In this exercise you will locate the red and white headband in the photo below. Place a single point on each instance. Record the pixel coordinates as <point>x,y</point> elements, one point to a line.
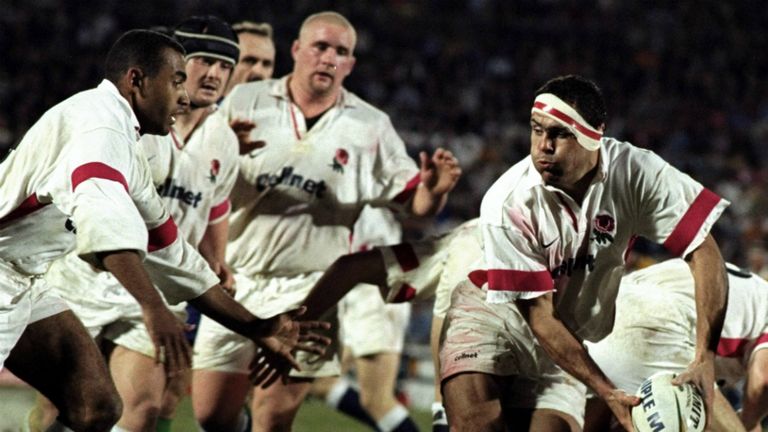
<point>555,108</point>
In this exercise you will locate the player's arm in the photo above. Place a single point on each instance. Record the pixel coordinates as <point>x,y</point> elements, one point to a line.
<point>342,276</point>
<point>439,175</point>
<point>754,405</point>
<point>567,352</point>
<point>213,247</point>
<point>711,285</point>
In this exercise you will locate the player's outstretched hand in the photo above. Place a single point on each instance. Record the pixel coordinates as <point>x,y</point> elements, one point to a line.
<point>167,334</point>
<point>441,172</point>
<point>242,129</point>
<point>621,405</point>
<point>285,335</point>
<point>701,373</point>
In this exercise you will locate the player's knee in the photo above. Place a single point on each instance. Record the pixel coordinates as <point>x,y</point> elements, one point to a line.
<point>99,414</point>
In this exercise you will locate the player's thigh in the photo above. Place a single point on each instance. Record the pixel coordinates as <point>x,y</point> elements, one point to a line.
<point>553,421</point>
<point>434,345</point>
<point>57,356</point>
<point>139,380</point>
<point>473,401</point>
<point>724,418</point>
<point>217,396</point>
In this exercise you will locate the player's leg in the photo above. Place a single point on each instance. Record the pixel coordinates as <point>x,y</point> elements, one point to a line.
<point>275,408</point>
<point>597,417</point>
<point>57,356</point>
<point>140,382</point>
<point>175,390</point>
<point>42,415</point>
<point>755,401</point>
<point>439,418</point>
<point>473,402</point>
<point>218,398</point>
<point>377,375</point>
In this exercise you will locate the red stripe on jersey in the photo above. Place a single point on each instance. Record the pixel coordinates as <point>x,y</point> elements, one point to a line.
<point>406,256</point>
<point>691,222</point>
<point>405,294</point>
<point>219,210</point>
<point>410,189</point>
<point>26,207</point>
<point>565,118</point>
<point>520,281</point>
<point>97,170</point>
<point>162,236</point>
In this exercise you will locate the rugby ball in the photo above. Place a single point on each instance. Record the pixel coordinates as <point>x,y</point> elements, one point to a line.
<point>667,407</point>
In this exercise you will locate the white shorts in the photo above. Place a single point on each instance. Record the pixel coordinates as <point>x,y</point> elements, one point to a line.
<point>31,301</point>
<point>652,333</point>
<point>494,339</point>
<point>370,326</point>
<point>220,349</point>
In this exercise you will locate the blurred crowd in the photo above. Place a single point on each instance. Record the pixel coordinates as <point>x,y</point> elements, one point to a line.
<point>685,79</point>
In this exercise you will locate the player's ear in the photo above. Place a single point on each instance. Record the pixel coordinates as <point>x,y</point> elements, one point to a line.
<point>135,78</point>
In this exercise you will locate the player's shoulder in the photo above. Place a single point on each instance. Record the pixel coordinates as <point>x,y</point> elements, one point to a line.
<point>509,189</point>
<point>622,155</point>
<point>251,93</point>
<point>358,108</point>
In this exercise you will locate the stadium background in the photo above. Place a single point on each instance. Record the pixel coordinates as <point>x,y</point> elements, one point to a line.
<point>685,79</point>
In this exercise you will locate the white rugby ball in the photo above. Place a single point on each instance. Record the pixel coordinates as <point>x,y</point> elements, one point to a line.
<point>667,407</point>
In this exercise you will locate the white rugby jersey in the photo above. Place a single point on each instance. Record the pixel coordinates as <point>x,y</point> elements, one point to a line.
<point>417,270</point>
<point>194,180</point>
<point>745,329</point>
<point>83,158</point>
<point>538,240</point>
<point>297,198</point>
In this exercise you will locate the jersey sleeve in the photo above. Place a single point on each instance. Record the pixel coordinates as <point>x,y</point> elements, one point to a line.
<point>100,203</point>
<point>676,211</point>
<point>395,172</point>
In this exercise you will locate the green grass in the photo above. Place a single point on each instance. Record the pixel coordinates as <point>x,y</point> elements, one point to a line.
<point>314,416</point>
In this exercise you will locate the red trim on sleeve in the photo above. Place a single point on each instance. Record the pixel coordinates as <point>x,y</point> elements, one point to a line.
<point>691,222</point>
<point>406,256</point>
<point>410,189</point>
<point>478,277</point>
<point>219,210</point>
<point>97,170</point>
<point>162,236</point>
<point>520,281</point>
<point>406,293</point>
<point>737,347</point>
<point>26,207</point>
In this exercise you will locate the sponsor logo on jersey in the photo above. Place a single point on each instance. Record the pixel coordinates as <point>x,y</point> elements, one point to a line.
<point>340,159</point>
<point>603,229</point>
<point>464,356</point>
<point>288,178</point>
<point>567,267</point>
<point>172,190</point>
<point>215,167</point>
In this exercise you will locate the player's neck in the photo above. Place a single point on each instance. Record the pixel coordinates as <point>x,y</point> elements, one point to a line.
<point>187,123</point>
<point>311,104</point>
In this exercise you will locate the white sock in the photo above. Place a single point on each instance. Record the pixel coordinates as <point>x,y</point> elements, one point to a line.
<point>336,392</point>
<point>117,428</point>
<point>392,419</point>
<point>437,407</point>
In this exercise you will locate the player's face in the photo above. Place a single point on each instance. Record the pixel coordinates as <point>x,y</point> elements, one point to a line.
<point>557,155</point>
<point>257,60</point>
<point>162,96</point>
<point>323,57</point>
<point>206,79</point>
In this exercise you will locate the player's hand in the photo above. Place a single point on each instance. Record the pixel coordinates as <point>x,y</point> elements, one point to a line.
<point>167,334</point>
<point>226,277</point>
<point>621,405</point>
<point>242,129</point>
<point>282,335</point>
<point>701,373</point>
<point>440,173</point>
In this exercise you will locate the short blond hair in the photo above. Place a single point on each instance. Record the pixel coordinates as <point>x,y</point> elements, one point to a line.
<point>330,17</point>
<point>259,29</point>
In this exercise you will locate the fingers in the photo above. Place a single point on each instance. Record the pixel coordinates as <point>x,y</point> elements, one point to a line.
<point>241,125</point>
<point>305,326</point>
<point>315,338</point>
<point>311,348</point>
<point>424,159</point>
<point>297,312</point>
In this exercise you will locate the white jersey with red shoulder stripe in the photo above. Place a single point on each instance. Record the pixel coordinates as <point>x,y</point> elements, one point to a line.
<point>298,197</point>
<point>80,169</point>
<point>195,178</point>
<point>537,239</point>
<point>419,270</point>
